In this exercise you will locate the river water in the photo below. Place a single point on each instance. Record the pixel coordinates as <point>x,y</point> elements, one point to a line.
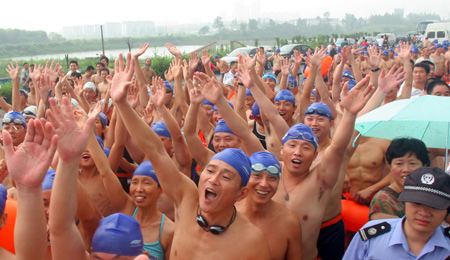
<point>151,52</point>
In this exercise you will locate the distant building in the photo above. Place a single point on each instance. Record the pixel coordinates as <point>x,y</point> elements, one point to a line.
<point>111,30</point>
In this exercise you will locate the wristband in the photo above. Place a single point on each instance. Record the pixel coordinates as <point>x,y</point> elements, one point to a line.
<point>375,70</point>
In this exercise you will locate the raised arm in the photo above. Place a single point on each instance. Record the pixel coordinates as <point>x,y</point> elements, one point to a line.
<point>142,83</point>
<point>28,166</point>
<point>285,64</point>
<point>404,56</point>
<point>206,60</point>
<point>180,148</point>
<point>352,102</point>
<point>67,242</point>
<point>213,92</point>
<point>14,73</point>
<point>336,88</point>
<point>148,141</point>
<point>180,98</point>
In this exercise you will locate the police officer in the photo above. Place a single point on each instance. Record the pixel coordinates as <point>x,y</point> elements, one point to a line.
<point>418,235</point>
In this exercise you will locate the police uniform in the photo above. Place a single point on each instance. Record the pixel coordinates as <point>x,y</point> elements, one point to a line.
<point>385,239</point>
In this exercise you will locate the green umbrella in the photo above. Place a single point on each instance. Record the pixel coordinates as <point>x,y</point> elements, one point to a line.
<point>426,118</point>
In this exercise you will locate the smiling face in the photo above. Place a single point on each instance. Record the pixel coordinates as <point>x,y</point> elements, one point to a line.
<point>222,141</point>
<point>320,125</point>
<point>144,190</point>
<point>86,161</point>
<point>285,108</point>
<point>219,187</point>
<point>262,186</point>
<point>401,167</point>
<point>16,131</point>
<point>298,155</point>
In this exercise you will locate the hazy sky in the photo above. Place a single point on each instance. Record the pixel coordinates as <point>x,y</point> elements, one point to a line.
<point>52,15</point>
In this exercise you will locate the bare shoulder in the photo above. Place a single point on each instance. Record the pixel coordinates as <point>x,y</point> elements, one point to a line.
<point>249,234</point>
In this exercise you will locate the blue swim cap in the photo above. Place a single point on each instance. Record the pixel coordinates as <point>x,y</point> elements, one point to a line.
<point>146,169</point>
<point>216,56</point>
<point>268,161</point>
<point>229,103</point>
<point>14,116</point>
<point>270,76</point>
<point>103,119</point>
<point>110,102</point>
<point>315,94</point>
<point>222,127</point>
<point>301,132</point>
<point>99,140</point>
<point>385,53</point>
<point>118,234</point>
<point>255,110</point>
<point>391,49</point>
<point>248,92</point>
<point>107,151</point>
<point>168,86</point>
<point>292,82</point>
<point>347,74</point>
<point>160,129</point>
<point>207,102</point>
<point>3,193</point>
<point>351,83</point>
<point>319,109</point>
<point>237,159</point>
<point>339,48</point>
<point>365,47</point>
<point>361,52</point>
<point>366,53</point>
<point>47,183</point>
<point>286,95</point>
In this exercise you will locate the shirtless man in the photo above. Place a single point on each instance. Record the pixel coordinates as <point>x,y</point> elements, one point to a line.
<point>425,55</point>
<point>147,71</point>
<point>105,61</point>
<point>88,76</point>
<point>219,227</point>
<point>307,192</point>
<point>104,85</point>
<point>440,62</point>
<point>280,226</point>
<point>222,66</point>
<point>387,62</point>
<point>96,78</point>
<point>276,59</point>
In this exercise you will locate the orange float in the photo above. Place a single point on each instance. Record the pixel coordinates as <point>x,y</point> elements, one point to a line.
<point>7,232</point>
<point>325,66</point>
<point>354,215</point>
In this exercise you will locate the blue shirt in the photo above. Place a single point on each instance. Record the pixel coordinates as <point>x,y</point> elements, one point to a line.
<point>393,245</point>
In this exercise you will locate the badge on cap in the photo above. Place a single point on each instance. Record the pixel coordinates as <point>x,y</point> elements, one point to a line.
<point>427,178</point>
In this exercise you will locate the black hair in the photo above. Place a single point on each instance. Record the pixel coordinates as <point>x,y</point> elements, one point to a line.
<point>406,145</point>
<point>424,66</point>
<point>429,63</point>
<point>105,58</point>
<point>89,68</point>
<point>104,69</point>
<point>75,74</point>
<point>25,63</point>
<point>101,64</point>
<point>429,86</point>
<point>73,61</point>
<point>233,62</point>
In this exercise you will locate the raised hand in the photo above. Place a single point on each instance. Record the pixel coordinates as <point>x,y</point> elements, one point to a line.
<point>353,101</point>
<point>196,96</point>
<point>122,78</point>
<point>29,163</point>
<point>186,70</point>
<point>285,65</point>
<point>298,57</point>
<point>147,114</point>
<point>386,83</point>
<point>168,75</point>
<point>317,57</point>
<point>206,58</point>
<point>174,50</point>
<point>346,51</point>
<point>52,71</point>
<point>141,50</point>
<point>249,62</point>
<point>3,170</point>
<point>405,51</point>
<point>176,68</point>
<point>37,72</point>
<point>374,58</point>
<point>193,61</point>
<point>261,57</point>
<point>158,91</point>
<point>245,76</point>
<point>43,86</point>
<point>72,140</point>
<point>210,88</point>
<point>133,96</point>
<point>13,72</point>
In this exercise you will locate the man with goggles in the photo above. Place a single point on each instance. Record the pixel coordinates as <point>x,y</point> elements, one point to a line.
<point>305,190</point>
<point>15,124</point>
<point>280,226</point>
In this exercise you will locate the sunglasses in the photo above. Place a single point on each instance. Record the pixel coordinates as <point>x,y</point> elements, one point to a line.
<point>294,134</point>
<point>214,229</point>
<point>259,167</point>
<point>16,121</point>
<point>319,111</point>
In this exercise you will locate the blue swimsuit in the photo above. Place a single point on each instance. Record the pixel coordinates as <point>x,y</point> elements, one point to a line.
<point>155,249</point>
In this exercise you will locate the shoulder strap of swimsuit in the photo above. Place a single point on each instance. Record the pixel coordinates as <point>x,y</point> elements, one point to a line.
<point>134,213</point>
<point>161,226</point>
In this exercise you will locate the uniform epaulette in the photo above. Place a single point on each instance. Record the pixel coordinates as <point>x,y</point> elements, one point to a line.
<point>447,232</point>
<point>374,231</point>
